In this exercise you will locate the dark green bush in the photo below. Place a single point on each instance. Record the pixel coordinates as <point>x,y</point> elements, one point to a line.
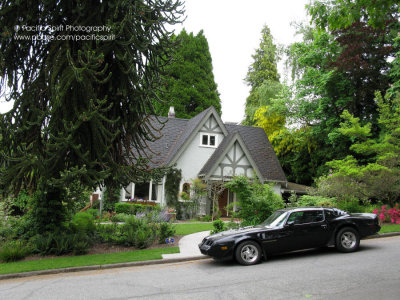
<point>350,205</point>
<point>13,251</point>
<point>137,232</point>
<point>93,212</point>
<point>59,243</point>
<point>308,200</point>
<point>83,223</point>
<point>108,233</point>
<point>256,201</point>
<point>165,231</point>
<point>218,226</point>
<point>133,208</point>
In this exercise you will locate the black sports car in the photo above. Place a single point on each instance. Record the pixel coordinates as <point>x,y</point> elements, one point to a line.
<point>292,229</point>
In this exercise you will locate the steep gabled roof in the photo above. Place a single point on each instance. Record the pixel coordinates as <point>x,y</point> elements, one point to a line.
<point>259,148</point>
<point>222,150</point>
<point>177,134</point>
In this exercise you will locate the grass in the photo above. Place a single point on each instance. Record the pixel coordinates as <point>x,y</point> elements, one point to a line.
<point>390,228</point>
<point>188,228</point>
<point>85,260</point>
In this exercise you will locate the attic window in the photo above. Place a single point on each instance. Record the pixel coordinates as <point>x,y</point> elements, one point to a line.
<point>208,140</point>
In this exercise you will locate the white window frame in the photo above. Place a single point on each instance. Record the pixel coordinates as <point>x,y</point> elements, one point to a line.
<point>208,139</point>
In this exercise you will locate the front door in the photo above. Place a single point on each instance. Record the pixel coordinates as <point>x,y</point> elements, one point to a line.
<point>223,202</point>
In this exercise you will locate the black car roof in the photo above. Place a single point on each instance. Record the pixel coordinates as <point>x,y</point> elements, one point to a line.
<point>303,208</point>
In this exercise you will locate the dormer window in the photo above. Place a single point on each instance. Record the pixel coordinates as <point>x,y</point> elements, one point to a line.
<point>208,140</point>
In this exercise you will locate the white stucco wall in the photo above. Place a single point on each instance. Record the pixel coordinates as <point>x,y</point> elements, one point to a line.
<point>194,157</point>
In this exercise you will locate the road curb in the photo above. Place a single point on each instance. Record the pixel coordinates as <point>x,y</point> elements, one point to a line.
<point>137,263</point>
<point>383,235</point>
<point>102,267</point>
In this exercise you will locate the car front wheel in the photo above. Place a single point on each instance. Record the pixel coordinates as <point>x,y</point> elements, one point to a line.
<point>248,253</point>
<point>347,240</point>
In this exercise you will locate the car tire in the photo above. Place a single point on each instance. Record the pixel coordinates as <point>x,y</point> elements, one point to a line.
<point>248,253</point>
<point>347,240</point>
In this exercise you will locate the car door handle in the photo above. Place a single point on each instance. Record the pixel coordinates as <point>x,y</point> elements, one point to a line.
<point>324,226</point>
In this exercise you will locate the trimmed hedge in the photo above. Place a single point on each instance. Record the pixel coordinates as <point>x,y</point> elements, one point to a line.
<point>133,208</point>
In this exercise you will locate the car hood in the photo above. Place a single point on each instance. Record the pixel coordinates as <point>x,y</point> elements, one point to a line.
<point>231,232</point>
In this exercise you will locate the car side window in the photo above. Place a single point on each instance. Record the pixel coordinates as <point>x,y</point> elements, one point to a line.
<point>304,217</point>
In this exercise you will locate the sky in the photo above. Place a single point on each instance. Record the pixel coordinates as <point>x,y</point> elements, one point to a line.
<point>233,30</point>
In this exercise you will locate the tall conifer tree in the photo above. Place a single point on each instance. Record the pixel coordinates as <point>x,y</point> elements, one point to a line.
<point>189,79</point>
<point>81,106</point>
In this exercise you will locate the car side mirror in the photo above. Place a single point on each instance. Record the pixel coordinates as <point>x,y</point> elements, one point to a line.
<point>290,224</point>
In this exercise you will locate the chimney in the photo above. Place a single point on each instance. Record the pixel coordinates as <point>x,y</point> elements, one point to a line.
<point>171,113</point>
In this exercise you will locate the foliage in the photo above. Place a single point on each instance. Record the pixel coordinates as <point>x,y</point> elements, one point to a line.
<point>59,243</point>
<point>174,177</point>
<point>215,190</point>
<point>388,214</point>
<point>374,172</point>
<point>340,64</point>
<point>110,198</point>
<point>189,81</point>
<point>133,208</point>
<point>256,201</point>
<point>262,76</point>
<point>308,200</point>
<point>83,223</point>
<point>218,225</point>
<point>80,106</point>
<point>77,196</point>
<point>192,200</point>
<point>93,212</point>
<point>18,205</point>
<point>165,230</point>
<point>13,251</point>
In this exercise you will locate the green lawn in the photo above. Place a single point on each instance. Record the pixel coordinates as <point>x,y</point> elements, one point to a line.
<point>85,260</point>
<point>390,228</point>
<point>188,228</point>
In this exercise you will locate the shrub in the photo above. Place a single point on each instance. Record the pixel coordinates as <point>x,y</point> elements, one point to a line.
<point>13,251</point>
<point>218,226</point>
<point>137,232</point>
<point>132,208</point>
<point>308,200</point>
<point>83,223</point>
<point>206,218</point>
<point>165,231</point>
<point>93,212</point>
<point>256,201</point>
<point>388,215</point>
<point>108,233</point>
<point>59,243</point>
<point>350,205</point>
<point>118,218</point>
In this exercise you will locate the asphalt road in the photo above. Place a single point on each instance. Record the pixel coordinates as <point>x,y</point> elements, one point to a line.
<point>371,273</point>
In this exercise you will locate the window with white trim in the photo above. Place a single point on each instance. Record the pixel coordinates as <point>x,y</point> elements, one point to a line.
<point>208,140</point>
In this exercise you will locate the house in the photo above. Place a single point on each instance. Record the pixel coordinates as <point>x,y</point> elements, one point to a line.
<point>204,147</point>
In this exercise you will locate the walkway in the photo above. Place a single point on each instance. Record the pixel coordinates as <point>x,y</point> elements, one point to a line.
<point>189,246</point>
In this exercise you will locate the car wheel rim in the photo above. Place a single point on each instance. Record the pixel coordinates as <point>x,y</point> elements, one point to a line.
<point>249,253</point>
<point>348,240</point>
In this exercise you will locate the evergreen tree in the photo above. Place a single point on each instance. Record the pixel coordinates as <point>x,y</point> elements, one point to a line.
<point>82,107</point>
<point>262,76</point>
<point>189,80</point>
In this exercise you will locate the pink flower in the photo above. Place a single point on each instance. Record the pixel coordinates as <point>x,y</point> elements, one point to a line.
<point>382,216</point>
<point>375,211</point>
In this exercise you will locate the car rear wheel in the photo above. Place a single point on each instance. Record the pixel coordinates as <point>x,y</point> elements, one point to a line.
<point>347,240</point>
<point>248,253</point>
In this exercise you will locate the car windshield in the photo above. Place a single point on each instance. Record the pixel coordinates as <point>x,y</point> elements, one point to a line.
<point>275,220</point>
